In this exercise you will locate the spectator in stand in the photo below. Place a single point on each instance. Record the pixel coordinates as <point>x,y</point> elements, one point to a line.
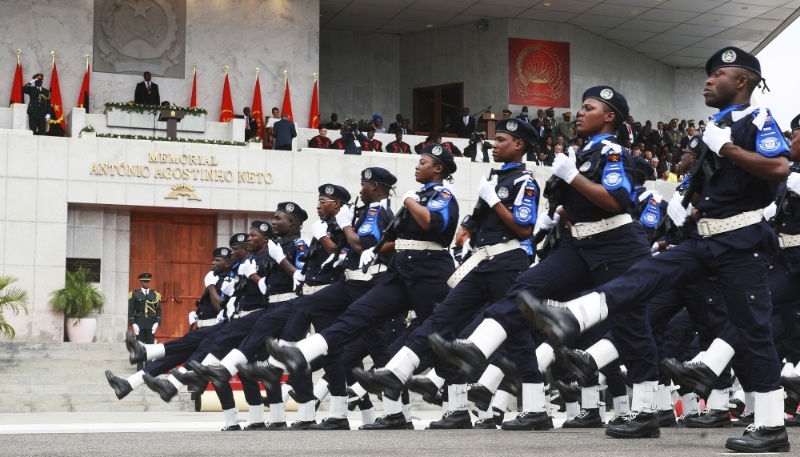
<point>558,149</point>
<point>656,164</point>
<point>465,125</point>
<point>250,124</point>
<point>690,133</point>
<point>636,151</point>
<point>320,141</point>
<point>533,154</point>
<point>648,155</point>
<point>284,133</point>
<point>405,129</point>
<point>394,125</point>
<point>625,134</point>
<point>398,146</point>
<point>675,173</point>
<point>674,134</point>
<point>147,92</point>
<point>475,140</point>
<point>377,121</point>
<point>523,115</point>
<point>448,126</point>
<point>560,142</point>
<point>643,138</point>
<point>547,148</point>
<point>702,126</point>
<point>506,114</point>
<point>579,143</point>
<point>544,160</point>
<point>566,129</point>
<point>430,139</point>
<point>658,138</point>
<point>664,151</point>
<point>333,124</point>
<point>449,146</point>
<point>664,175</point>
<point>354,141</point>
<point>668,161</point>
<point>538,123</point>
<point>374,145</point>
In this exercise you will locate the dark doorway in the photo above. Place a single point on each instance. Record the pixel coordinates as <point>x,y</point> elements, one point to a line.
<point>433,104</point>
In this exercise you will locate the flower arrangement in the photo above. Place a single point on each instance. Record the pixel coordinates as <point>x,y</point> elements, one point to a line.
<point>88,128</point>
<point>151,109</point>
<point>175,140</point>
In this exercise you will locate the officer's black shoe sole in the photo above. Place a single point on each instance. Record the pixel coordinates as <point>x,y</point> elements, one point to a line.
<point>558,323</point>
<point>454,420</point>
<point>480,396</point>
<point>712,419</point>
<point>377,381</point>
<point>189,378</point>
<point>747,419</point>
<point>697,376</point>
<point>570,393</point>
<point>255,427</point>
<point>136,352</point>
<point>121,386</point>
<point>332,424</point>
<point>301,425</point>
<point>395,421</point>
<point>794,421</point>
<point>512,382</point>
<point>162,387</point>
<point>738,408</point>
<point>645,425</point>
<point>529,421</point>
<point>465,355</point>
<point>296,364</point>
<point>268,375</point>
<point>589,419</point>
<point>580,363</point>
<point>498,416</point>
<point>232,428</point>
<point>667,418</point>
<point>791,384</point>
<point>425,387</point>
<point>763,439</point>
<point>217,375</point>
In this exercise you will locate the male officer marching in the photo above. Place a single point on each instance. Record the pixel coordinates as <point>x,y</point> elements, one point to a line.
<point>144,312</point>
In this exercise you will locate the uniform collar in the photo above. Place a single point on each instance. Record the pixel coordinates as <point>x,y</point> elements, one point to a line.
<point>510,165</point>
<point>596,139</point>
<point>431,184</point>
<point>729,110</point>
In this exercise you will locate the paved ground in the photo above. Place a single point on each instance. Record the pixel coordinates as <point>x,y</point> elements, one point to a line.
<point>154,434</point>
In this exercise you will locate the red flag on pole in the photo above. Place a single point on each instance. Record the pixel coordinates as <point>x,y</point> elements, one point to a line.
<point>57,108</point>
<point>16,88</point>
<point>83,98</point>
<point>256,109</point>
<point>226,112</point>
<point>313,116</point>
<point>287,101</point>
<point>193,103</point>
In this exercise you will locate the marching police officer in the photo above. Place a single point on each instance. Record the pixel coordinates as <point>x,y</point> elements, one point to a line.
<point>144,311</point>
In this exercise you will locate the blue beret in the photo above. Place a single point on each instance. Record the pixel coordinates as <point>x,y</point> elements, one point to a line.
<point>442,155</point>
<point>240,238</point>
<point>335,192</point>
<point>378,175</point>
<point>293,209</point>
<point>226,253</point>
<point>265,228</point>
<point>522,130</point>
<point>732,56</point>
<point>610,97</point>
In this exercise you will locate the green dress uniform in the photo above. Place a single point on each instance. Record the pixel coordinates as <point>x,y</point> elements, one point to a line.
<point>144,310</point>
<point>38,107</point>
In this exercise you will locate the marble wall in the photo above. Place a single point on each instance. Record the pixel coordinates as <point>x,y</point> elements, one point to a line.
<point>274,35</point>
<point>689,101</point>
<point>359,74</point>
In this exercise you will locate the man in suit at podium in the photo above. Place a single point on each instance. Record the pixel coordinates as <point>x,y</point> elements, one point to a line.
<point>466,124</point>
<point>147,92</point>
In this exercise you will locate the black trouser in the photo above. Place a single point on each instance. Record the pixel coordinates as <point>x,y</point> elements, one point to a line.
<point>37,123</point>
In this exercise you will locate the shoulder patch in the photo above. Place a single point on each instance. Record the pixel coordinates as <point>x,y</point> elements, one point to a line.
<point>130,295</point>
<point>158,296</point>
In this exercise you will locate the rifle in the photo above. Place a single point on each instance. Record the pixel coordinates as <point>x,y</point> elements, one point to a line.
<point>553,192</point>
<point>785,207</point>
<point>340,245</point>
<point>473,222</point>
<point>389,234</point>
<point>704,166</point>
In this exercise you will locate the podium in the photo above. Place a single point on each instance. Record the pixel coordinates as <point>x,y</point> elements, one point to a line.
<point>490,119</point>
<point>172,117</point>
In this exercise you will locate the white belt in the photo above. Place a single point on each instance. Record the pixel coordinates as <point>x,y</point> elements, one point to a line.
<point>583,230</point>
<point>416,245</point>
<point>242,314</point>
<point>788,241</point>
<point>482,253</point>
<point>207,322</point>
<point>710,227</point>
<point>277,298</point>
<point>357,275</point>
<point>310,290</point>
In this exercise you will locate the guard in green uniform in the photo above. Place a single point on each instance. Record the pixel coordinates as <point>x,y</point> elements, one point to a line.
<point>144,312</point>
<point>38,105</point>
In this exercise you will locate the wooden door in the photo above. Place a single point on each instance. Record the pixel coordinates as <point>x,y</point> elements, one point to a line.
<point>433,104</point>
<point>177,250</point>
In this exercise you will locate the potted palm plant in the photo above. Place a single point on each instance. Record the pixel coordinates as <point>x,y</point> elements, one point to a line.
<point>14,299</point>
<point>77,300</point>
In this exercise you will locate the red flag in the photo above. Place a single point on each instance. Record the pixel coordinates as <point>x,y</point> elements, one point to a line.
<point>226,112</point>
<point>287,103</point>
<point>193,103</point>
<point>313,116</point>
<point>57,108</point>
<point>256,110</point>
<point>16,88</point>
<point>83,98</point>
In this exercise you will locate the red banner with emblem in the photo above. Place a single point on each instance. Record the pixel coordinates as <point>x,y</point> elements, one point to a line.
<point>538,73</point>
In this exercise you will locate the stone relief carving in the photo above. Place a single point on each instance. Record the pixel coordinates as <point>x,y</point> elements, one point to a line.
<point>133,36</point>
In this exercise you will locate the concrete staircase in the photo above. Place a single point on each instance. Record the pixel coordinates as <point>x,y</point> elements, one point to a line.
<point>67,377</point>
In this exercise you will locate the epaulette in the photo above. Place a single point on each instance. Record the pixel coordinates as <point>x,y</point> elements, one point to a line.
<point>158,296</point>
<point>130,295</point>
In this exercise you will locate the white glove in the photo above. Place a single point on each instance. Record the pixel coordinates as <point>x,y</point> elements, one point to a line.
<point>545,222</point>
<point>47,117</point>
<point>297,278</point>
<point>192,318</point>
<point>486,191</point>
<point>262,286</point>
<point>715,137</point>
<point>319,229</point>
<point>345,216</point>
<point>410,194</point>
<point>654,249</point>
<point>135,329</point>
<point>564,167</point>
<point>793,183</point>
<point>248,268</point>
<point>275,251</point>
<point>367,256</point>
<point>676,211</point>
<point>155,326</point>
<point>342,256</point>
<point>221,315</point>
<point>33,82</point>
<point>466,248</point>
<point>769,211</point>
<point>227,287</point>
<point>230,308</point>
